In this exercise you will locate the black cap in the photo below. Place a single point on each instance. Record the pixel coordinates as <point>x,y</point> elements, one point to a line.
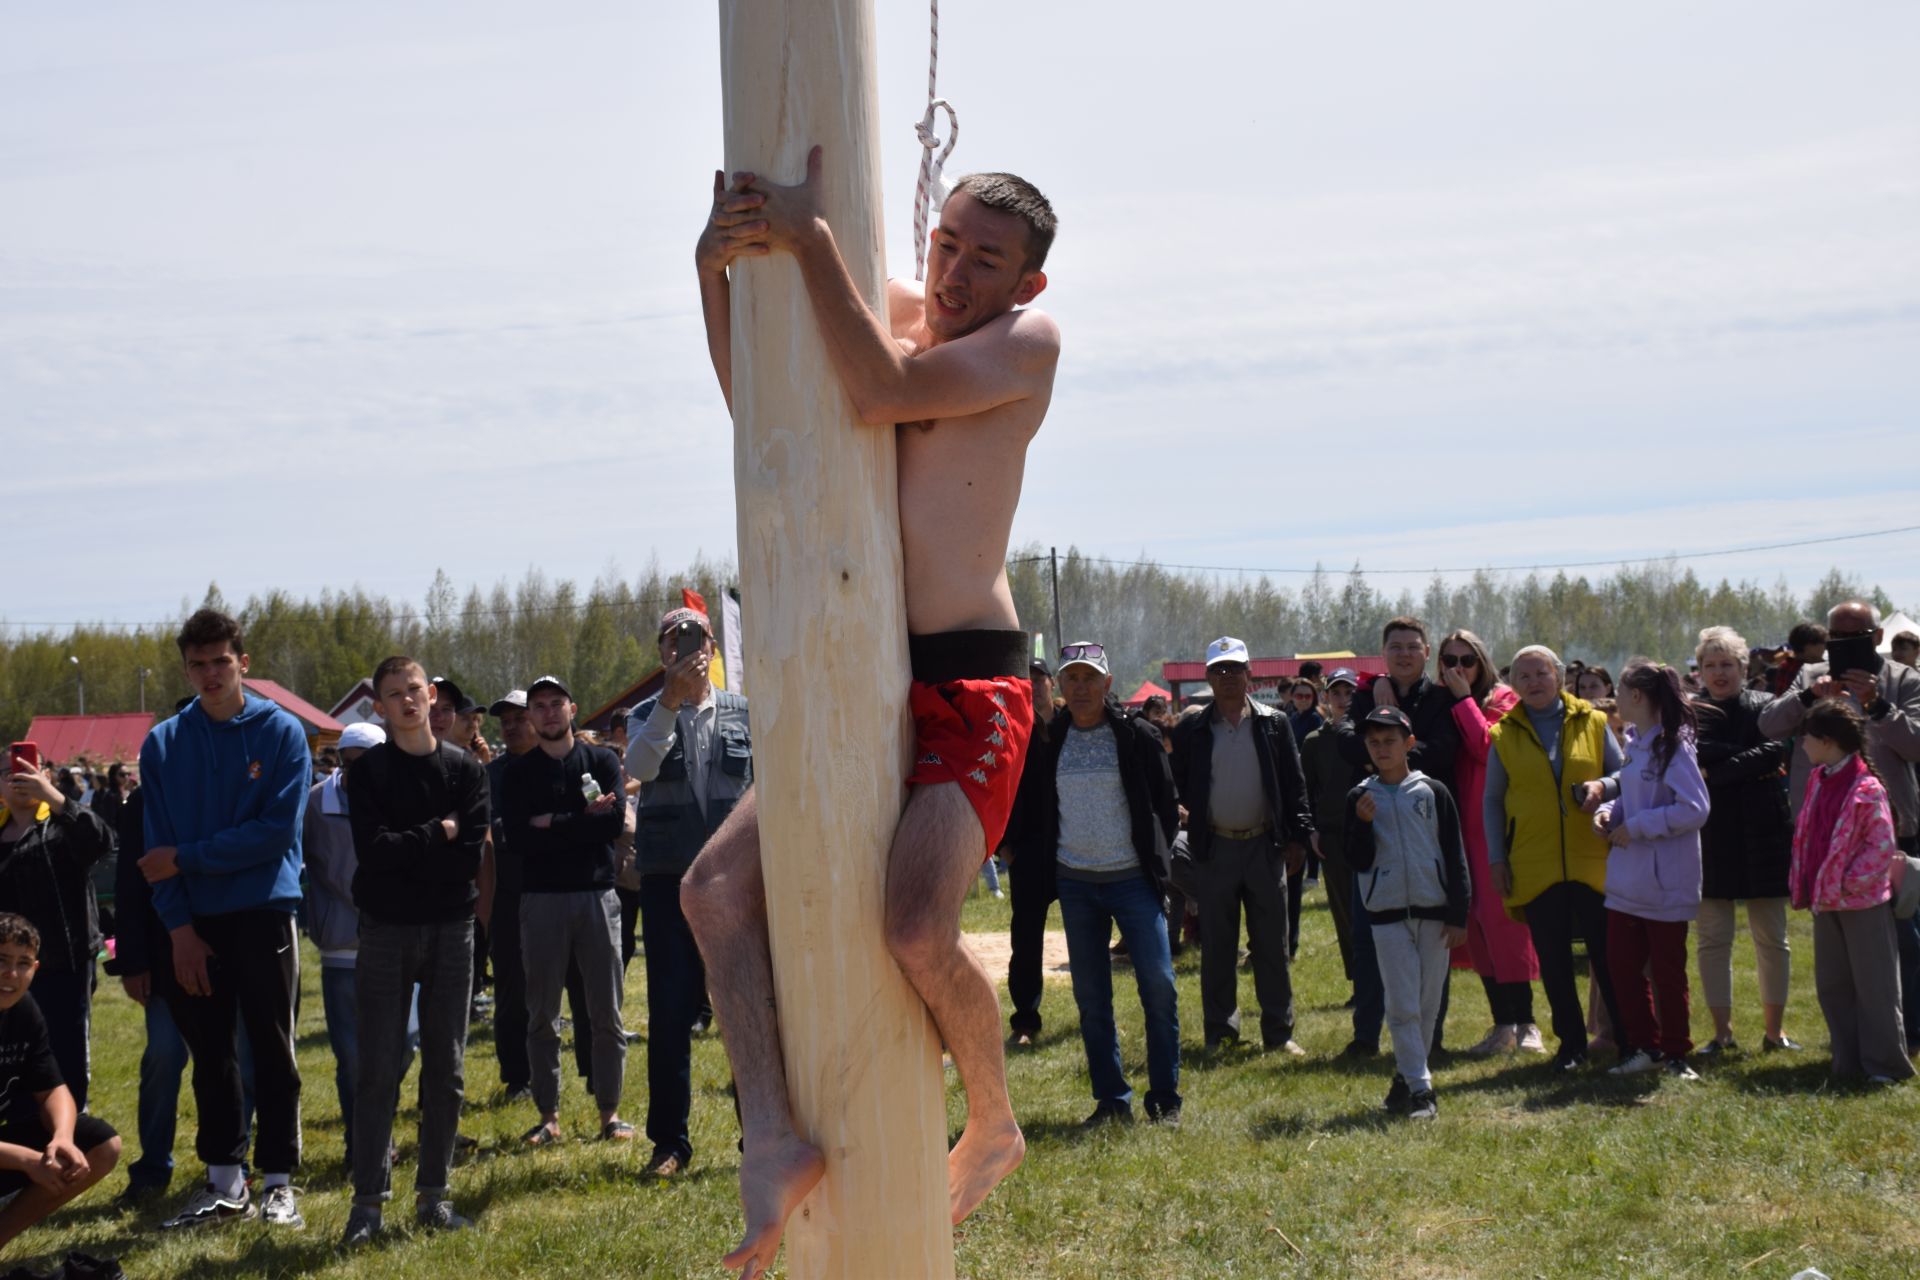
<point>548,682</point>
<point>1039,667</point>
<point>451,691</point>
<point>1390,716</point>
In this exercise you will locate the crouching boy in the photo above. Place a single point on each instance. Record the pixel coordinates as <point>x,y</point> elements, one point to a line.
<point>1403,838</point>
<point>49,1152</point>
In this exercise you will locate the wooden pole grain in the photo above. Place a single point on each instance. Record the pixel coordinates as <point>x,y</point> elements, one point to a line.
<point>826,655</point>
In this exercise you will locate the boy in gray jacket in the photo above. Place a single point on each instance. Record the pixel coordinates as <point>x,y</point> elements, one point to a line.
<point>1403,838</point>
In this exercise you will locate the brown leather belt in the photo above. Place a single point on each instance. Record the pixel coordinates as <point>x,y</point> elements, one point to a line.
<point>1240,833</point>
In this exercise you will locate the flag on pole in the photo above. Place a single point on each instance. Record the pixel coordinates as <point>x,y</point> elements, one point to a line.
<point>730,638</point>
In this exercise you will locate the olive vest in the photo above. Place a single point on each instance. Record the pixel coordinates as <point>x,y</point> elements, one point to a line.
<point>1549,838</point>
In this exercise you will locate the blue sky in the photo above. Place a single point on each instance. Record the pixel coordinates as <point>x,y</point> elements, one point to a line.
<point>1416,285</point>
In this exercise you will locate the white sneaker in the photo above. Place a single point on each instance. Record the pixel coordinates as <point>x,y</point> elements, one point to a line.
<point>279,1208</point>
<point>1502,1039</point>
<point>206,1206</point>
<point>1530,1041</point>
<point>1639,1064</point>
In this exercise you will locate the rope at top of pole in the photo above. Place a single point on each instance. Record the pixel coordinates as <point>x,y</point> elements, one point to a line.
<point>931,192</point>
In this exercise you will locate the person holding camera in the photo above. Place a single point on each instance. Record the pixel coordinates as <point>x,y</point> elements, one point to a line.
<point>690,748</point>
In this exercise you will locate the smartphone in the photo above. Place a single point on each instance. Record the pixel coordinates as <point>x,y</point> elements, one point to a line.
<point>24,757</point>
<point>687,638</point>
<point>1852,653</point>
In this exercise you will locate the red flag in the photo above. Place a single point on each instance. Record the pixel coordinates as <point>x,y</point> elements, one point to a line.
<point>691,599</point>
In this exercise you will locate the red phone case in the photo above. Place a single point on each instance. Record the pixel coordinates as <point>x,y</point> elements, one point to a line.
<point>23,753</point>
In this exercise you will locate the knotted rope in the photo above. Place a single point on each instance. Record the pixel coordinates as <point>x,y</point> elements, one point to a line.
<point>931,165</point>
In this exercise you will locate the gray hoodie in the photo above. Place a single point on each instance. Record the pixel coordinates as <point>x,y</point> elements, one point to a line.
<point>1410,857</point>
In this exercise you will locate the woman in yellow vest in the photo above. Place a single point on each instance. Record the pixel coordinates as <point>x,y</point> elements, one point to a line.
<point>1546,860</point>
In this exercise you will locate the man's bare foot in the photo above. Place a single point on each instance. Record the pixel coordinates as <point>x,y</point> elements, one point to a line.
<point>983,1156</point>
<point>773,1181</point>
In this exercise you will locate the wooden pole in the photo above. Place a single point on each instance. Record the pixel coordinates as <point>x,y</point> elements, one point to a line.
<point>826,650</point>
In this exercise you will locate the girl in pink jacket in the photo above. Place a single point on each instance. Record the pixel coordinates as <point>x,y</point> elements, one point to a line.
<point>1844,860</point>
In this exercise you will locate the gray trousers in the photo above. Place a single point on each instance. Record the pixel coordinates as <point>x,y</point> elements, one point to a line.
<point>1767,922</point>
<point>583,926</point>
<point>1250,873</point>
<point>1413,961</point>
<point>393,957</point>
<point>1856,973</point>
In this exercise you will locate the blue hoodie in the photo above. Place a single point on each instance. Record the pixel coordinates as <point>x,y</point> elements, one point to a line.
<point>230,796</point>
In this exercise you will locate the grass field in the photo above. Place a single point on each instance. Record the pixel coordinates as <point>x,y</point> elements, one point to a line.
<point>1283,1166</point>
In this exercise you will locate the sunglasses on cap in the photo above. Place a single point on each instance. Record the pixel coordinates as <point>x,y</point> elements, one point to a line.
<point>1083,652</point>
<point>1458,660</point>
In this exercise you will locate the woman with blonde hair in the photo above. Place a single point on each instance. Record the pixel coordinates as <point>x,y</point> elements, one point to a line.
<point>1747,845</point>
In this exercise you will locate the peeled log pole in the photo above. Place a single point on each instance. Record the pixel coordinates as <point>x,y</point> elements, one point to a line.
<point>826,655</point>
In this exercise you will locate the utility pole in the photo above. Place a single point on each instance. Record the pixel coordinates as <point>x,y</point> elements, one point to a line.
<point>1059,640</point>
<point>144,673</point>
<point>79,683</point>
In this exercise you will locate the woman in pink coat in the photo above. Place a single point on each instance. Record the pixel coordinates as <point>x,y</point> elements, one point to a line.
<point>1498,947</point>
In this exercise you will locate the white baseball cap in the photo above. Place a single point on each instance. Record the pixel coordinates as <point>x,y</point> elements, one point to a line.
<point>1227,649</point>
<point>1084,653</point>
<point>361,735</point>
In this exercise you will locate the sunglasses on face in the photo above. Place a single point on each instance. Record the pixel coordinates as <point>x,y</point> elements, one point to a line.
<point>1458,660</point>
<point>1077,652</point>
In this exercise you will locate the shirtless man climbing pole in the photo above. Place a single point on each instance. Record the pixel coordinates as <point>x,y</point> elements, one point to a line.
<point>963,378</point>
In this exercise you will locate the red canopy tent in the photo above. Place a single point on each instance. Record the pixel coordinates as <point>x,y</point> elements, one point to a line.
<point>1147,689</point>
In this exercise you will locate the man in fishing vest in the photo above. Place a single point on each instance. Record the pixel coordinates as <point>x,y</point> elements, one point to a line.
<point>690,749</point>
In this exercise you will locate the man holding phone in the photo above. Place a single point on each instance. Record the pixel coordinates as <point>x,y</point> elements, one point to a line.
<point>691,750</point>
<point>1888,692</point>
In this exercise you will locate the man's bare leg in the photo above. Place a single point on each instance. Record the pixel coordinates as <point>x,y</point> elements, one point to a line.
<point>725,901</point>
<point>936,855</point>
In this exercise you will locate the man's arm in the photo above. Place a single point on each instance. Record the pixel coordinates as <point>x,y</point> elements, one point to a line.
<point>265,838</point>
<point>728,235</point>
<point>1783,715</point>
<point>1894,719</point>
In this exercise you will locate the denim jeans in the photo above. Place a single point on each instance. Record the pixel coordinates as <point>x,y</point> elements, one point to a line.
<point>339,1003</point>
<point>1369,993</point>
<point>676,985</point>
<point>163,1064</point>
<point>393,958</point>
<point>1088,913</point>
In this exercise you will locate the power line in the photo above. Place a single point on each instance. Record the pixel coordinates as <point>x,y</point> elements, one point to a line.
<point>1487,568</point>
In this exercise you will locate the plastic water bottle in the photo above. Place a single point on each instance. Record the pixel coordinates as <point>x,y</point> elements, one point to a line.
<point>590,788</point>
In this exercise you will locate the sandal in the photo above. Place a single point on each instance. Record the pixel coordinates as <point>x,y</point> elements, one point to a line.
<point>541,1135</point>
<point>616,1131</point>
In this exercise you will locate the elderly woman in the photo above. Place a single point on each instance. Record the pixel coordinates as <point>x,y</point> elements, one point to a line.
<point>1747,843</point>
<point>1547,861</point>
<point>1498,947</point>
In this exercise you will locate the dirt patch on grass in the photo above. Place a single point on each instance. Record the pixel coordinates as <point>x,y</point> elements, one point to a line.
<point>996,949</point>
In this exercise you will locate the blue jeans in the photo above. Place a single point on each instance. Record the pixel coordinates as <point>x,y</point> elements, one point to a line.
<point>163,1064</point>
<point>1369,993</point>
<point>1088,913</point>
<point>338,1003</point>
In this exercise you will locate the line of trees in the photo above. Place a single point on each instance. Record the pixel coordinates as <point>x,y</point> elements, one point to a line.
<point>601,636</point>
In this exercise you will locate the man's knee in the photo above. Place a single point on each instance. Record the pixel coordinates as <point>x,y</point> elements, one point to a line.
<point>917,938</point>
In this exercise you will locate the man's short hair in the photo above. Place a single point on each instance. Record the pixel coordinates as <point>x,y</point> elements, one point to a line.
<point>1010,193</point>
<point>1404,623</point>
<point>619,716</point>
<point>18,931</point>
<point>389,666</point>
<point>1804,634</point>
<point>209,627</point>
<point>1907,637</point>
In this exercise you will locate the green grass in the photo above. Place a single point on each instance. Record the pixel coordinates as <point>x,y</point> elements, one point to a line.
<point>1281,1168</point>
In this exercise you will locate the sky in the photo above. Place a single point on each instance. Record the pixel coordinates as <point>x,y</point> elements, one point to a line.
<point>313,296</point>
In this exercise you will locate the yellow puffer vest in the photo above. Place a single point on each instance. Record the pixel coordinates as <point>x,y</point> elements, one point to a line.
<point>1548,838</point>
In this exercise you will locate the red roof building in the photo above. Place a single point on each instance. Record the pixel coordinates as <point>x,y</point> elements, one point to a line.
<point>110,738</point>
<point>319,725</point>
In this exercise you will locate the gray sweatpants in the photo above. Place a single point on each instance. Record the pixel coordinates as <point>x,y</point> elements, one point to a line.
<point>583,926</point>
<point>1413,969</point>
<point>1856,973</point>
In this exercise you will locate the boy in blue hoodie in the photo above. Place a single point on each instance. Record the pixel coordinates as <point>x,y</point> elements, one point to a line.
<point>1403,839</point>
<point>226,789</point>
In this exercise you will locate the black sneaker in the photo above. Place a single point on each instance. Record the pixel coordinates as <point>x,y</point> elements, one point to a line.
<point>84,1266</point>
<point>1423,1106</point>
<point>1398,1095</point>
<point>363,1224</point>
<point>1358,1050</point>
<point>1714,1049</point>
<point>1167,1115</point>
<point>439,1216</point>
<point>1783,1045</point>
<point>1109,1113</point>
<point>207,1206</point>
<point>138,1195</point>
<point>1565,1064</point>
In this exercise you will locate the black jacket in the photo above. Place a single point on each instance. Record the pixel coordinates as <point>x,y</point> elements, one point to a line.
<point>408,872</point>
<point>1280,777</point>
<point>1747,844</point>
<point>576,853</point>
<point>46,876</point>
<point>1436,739</point>
<point>1153,815</point>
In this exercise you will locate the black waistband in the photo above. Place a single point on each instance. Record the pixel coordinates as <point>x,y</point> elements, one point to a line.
<point>1401,914</point>
<point>969,655</point>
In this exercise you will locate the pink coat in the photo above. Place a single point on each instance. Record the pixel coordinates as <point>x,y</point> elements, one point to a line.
<point>1858,872</point>
<point>1498,946</point>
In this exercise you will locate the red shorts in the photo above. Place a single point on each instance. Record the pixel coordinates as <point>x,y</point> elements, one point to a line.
<point>974,732</point>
